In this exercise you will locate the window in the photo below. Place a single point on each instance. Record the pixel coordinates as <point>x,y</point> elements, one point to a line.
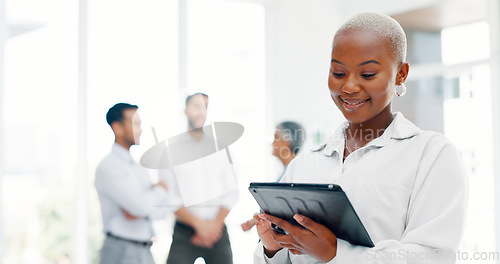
<point>40,131</point>
<point>470,42</point>
<point>455,99</point>
<point>132,58</point>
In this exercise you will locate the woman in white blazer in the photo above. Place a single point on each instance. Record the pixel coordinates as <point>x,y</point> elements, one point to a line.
<point>407,185</point>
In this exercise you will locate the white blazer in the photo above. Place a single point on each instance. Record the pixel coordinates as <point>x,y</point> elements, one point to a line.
<point>408,187</point>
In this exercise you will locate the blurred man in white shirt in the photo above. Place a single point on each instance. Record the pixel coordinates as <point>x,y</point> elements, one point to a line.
<point>207,191</point>
<point>129,200</point>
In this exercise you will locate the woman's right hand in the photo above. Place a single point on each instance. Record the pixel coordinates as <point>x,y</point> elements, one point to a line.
<point>264,230</point>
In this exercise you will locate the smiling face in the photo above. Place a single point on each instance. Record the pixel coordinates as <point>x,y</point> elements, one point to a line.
<point>363,75</point>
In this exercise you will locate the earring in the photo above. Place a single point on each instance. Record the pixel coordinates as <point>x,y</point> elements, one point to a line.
<point>403,90</point>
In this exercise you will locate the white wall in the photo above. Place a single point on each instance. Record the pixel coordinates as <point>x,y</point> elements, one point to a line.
<point>299,46</point>
<point>390,7</point>
<point>3,38</point>
<point>494,20</point>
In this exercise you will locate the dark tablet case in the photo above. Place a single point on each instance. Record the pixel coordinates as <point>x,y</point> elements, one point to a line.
<point>326,204</point>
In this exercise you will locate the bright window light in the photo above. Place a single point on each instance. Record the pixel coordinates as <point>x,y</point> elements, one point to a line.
<point>465,43</point>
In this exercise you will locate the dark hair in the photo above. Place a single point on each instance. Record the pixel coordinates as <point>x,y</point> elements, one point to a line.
<point>294,133</point>
<point>189,97</point>
<point>115,113</point>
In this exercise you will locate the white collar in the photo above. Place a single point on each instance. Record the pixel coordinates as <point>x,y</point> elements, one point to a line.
<point>399,129</point>
<point>121,152</point>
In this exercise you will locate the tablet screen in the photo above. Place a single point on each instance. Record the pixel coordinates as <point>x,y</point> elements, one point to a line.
<point>326,204</point>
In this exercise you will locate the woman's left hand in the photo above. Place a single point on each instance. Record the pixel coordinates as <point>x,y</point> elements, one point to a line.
<point>315,240</point>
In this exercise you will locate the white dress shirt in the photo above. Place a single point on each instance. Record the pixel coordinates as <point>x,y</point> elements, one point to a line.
<point>123,184</point>
<point>203,186</point>
<point>407,186</point>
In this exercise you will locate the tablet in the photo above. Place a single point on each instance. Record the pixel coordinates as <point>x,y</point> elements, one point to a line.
<point>326,204</point>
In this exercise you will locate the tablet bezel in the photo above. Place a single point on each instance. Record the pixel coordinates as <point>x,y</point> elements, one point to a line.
<point>356,234</point>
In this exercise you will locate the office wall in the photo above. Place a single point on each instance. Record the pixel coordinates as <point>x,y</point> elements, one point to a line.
<point>3,37</point>
<point>299,45</point>
<point>389,7</point>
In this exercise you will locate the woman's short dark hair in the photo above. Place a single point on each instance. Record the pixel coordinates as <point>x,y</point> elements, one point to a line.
<point>294,133</point>
<point>190,96</point>
<point>115,113</point>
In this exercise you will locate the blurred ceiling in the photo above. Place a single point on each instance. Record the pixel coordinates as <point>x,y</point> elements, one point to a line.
<point>445,14</point>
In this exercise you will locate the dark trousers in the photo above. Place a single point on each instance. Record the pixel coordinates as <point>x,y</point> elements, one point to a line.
<point>183,252</point>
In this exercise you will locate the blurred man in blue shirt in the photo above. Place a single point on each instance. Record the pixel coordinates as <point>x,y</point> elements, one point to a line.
<point>128,198</point>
